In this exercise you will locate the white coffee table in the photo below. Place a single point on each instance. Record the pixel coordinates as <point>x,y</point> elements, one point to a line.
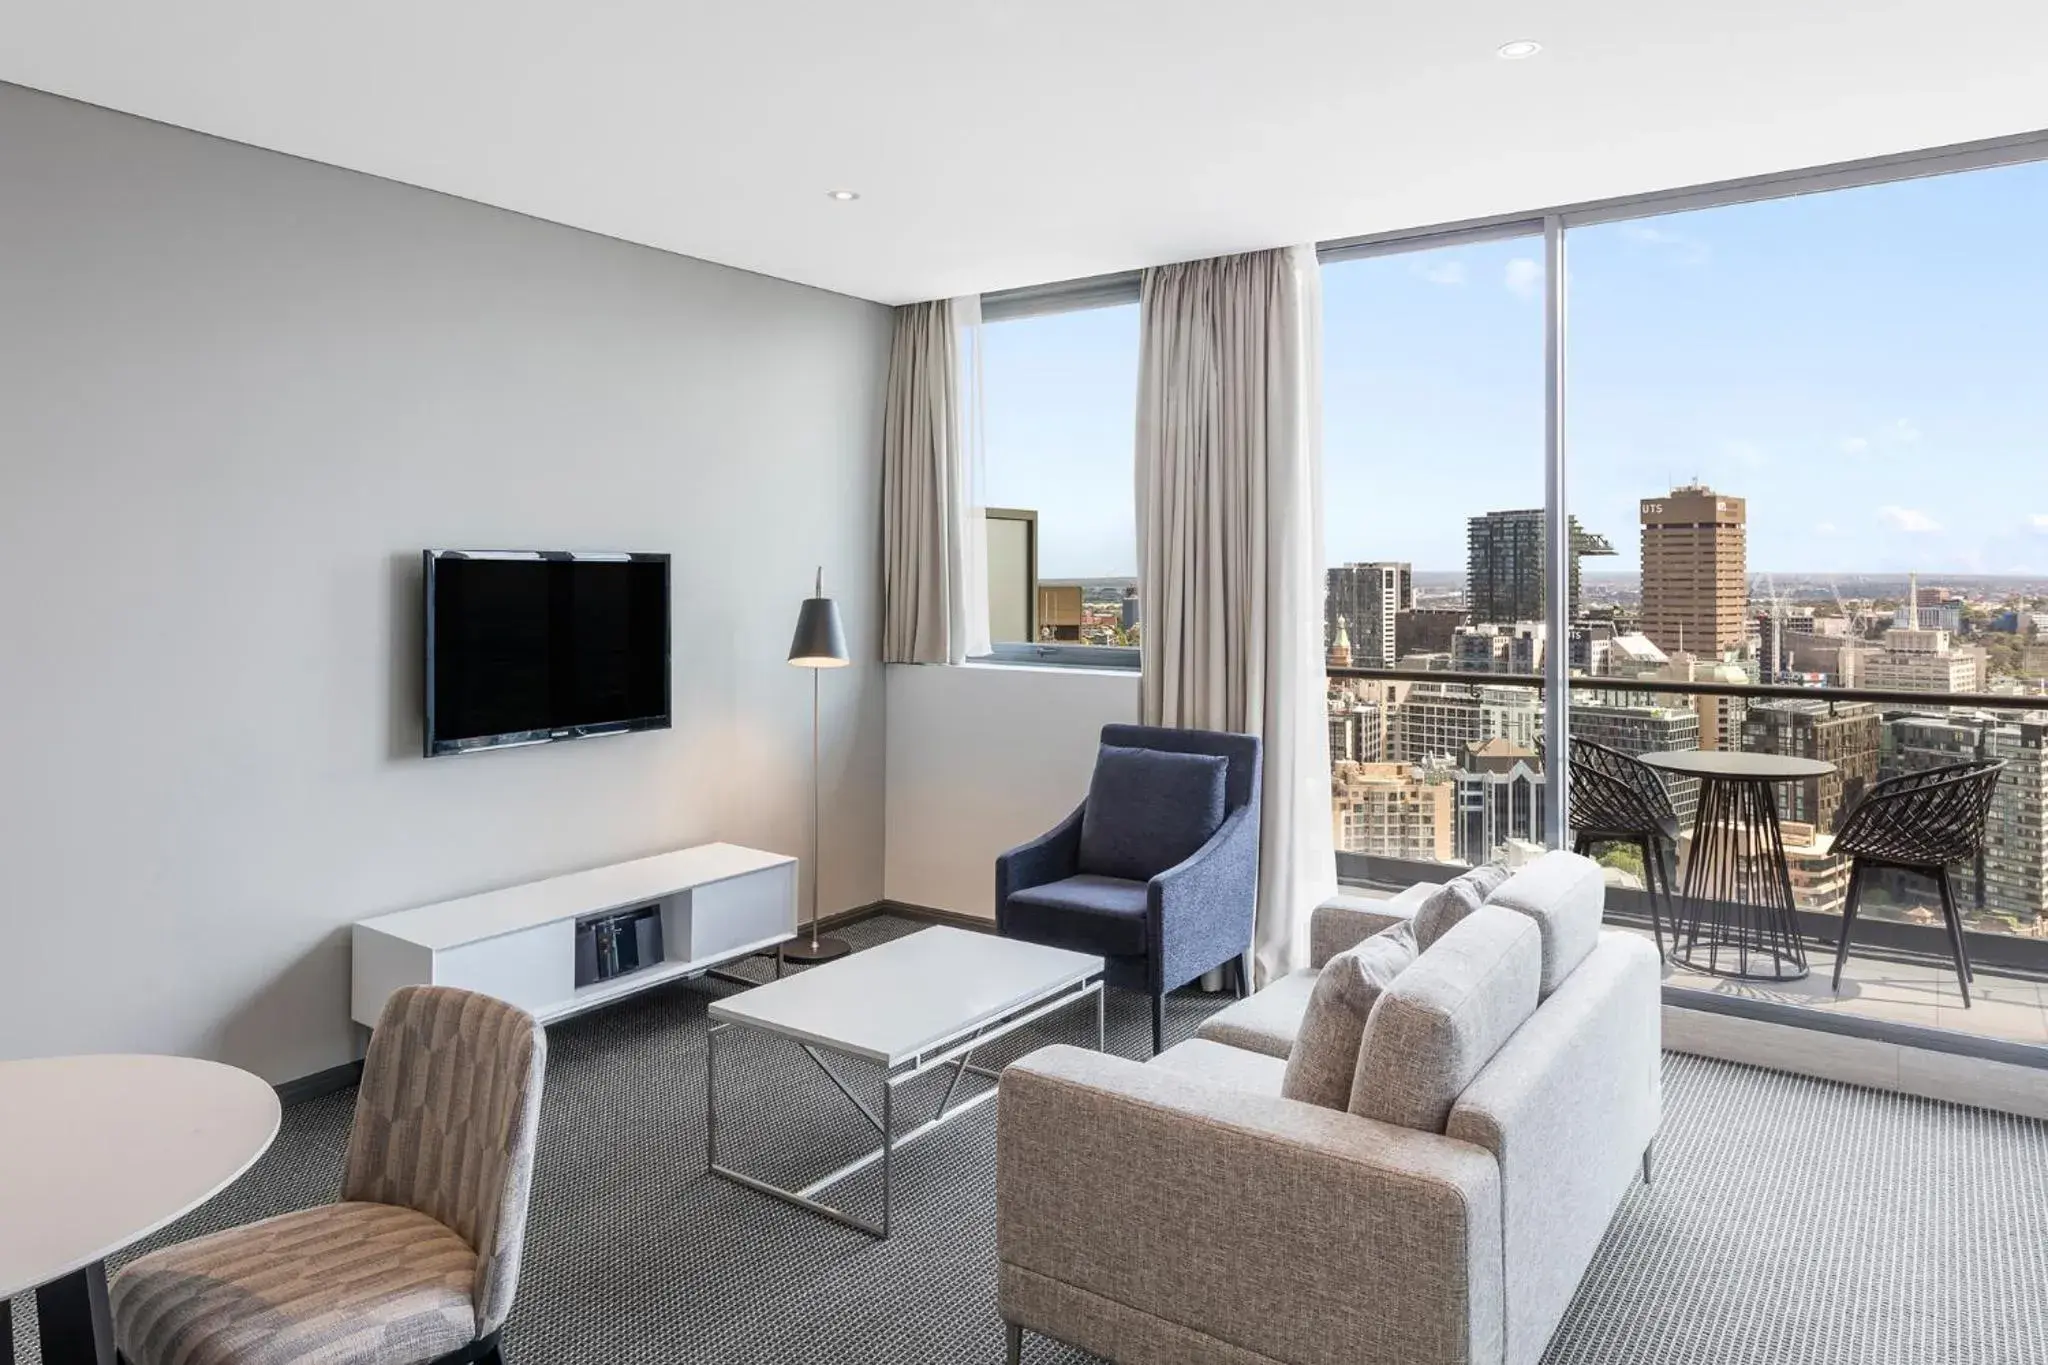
<point>915,1003</point>
<point>98,1152</point>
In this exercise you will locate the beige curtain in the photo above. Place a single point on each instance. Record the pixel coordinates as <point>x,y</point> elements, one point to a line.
<point>1230,559</point>
<point>934,556</point>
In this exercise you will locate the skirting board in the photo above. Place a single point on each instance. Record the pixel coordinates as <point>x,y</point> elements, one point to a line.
<point>1873,1062</point>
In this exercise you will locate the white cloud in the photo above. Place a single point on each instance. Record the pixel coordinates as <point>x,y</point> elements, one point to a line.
<point>1908,519</point>
<point>1524,277</point>
<point>1441,272</point>
<point>1679,247</point>
<point>1855,445</point>
<point>1827,528</point>
<point>1904,432</point>
<point>2039,521</point>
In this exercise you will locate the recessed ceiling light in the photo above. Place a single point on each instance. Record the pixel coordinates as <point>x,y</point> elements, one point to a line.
<point>843,196</point>
<point>1520,48</point>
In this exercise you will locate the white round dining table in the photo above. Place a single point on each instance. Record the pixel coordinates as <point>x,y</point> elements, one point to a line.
<point>96,1153</point>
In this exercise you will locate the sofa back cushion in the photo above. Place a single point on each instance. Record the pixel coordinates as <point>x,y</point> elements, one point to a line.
<point>1444,1018</point>
<point>1565,895</point>
<point>1149,809</point>
<point>1454,900</point>
<point>1324,1059</point>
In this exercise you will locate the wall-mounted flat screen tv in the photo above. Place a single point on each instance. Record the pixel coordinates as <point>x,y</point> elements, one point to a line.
<point>534,646</point>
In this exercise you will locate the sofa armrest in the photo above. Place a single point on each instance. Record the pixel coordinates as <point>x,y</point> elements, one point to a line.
<point>1567,1107</point>
<point>1299,1233</point>
<point>1345,921</point>
<point>1052,856</point>
<point>1202,906</point>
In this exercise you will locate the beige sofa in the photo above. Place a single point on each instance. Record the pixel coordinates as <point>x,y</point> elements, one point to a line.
<point>1181,1211</point>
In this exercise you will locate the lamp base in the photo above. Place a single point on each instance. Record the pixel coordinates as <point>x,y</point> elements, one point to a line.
<point>807,951</point>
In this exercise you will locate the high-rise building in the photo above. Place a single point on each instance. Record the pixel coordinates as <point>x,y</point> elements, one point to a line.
<point>1924,661</point>
<point>1496,648</point>
<point>1695,570</point>
<point>1358,730</point>
<point>1367,598</point>
<point>2016,830</point>
<point>1846,734</point>
<point>1392,810</point>
<point>1720,716</point>
<point>1620,723</point>
<point>1426,630</point>
<point>1504,565</point>
<point>1499,799</point>
<point>1435,722</point>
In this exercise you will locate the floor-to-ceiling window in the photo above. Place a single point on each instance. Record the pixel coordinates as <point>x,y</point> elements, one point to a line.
<point>1433,504</point>
<point>1816,432</point>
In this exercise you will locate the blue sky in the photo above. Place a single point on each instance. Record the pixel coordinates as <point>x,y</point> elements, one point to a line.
<point>1868,367</point>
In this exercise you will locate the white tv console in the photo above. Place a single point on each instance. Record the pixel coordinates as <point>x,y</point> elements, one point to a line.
<point>718,902</point>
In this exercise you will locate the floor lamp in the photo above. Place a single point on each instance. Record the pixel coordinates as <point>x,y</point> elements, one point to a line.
<point>820,644</point>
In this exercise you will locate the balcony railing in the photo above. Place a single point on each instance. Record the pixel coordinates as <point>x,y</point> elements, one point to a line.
<point>1886,934</point>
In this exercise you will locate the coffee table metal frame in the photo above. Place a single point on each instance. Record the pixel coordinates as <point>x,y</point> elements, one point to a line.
<point>955,1050</point>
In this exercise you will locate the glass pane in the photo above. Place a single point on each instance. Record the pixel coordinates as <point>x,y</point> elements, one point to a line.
<point>1813,430</point>
<point>1433,496</point>
<point>1060,397</point>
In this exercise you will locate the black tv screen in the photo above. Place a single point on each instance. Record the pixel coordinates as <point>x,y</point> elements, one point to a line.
<point>527,647</point>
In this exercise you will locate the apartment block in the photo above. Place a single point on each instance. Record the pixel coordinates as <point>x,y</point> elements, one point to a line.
<point>1846,734</point>
<point>1392,810</point>
<point>1367,599</point>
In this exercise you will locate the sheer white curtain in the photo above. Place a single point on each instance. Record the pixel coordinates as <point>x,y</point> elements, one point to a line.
<point>934,540</point>
<point>1230,558</point>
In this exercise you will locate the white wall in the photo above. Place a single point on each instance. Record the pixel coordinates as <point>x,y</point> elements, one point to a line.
<point>238,394</point>
<point>982,759</point>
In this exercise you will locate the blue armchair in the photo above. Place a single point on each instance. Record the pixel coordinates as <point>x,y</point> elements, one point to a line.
<point>1157,870</point>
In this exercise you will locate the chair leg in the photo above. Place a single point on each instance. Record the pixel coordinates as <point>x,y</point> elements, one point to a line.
<point>1013,1344</point>
<point>1657,885</point>
<point>1158,1022</point>
<point>1244,973</point>
<point>1581,845</point>
<point>1955,931</point>
<point>1849,903</point>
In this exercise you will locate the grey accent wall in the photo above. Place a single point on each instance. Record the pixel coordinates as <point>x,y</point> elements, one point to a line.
<point>238,394</point>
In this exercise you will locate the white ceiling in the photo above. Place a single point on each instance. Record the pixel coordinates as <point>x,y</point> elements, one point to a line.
<point>1006,142</point>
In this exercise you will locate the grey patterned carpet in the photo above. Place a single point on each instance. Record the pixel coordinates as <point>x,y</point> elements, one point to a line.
<point>1792,1220</point>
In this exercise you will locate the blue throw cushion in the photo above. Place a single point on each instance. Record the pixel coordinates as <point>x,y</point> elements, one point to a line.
<point>1148,810</point>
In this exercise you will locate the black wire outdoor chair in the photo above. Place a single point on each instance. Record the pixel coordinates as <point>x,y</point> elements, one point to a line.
<point>1618,799</point>
<point>1920,822</point>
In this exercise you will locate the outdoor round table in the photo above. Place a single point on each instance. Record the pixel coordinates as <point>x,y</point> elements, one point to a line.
<point>1736,913</point>
<point>98,1152</point>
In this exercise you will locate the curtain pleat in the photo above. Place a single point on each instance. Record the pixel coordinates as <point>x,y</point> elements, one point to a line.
<point>1229,470</point>
<point>920,431</point>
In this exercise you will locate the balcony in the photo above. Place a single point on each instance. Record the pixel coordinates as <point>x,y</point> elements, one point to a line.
<point>1436,771</point>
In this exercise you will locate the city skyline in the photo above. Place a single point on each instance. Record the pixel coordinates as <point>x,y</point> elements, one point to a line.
<point>1871,389</point>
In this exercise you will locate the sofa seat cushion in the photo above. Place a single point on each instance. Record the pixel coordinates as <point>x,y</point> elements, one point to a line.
<point>1565,894</point>
<point>1269,1021</point>
<point>1444,1018</point>
<point>1088,914</point>
<point>1149,809</point>
<point>1441,910</point>
<point>350,1281</point>
<point>1231,1066</point>
<point>1324,1059</point>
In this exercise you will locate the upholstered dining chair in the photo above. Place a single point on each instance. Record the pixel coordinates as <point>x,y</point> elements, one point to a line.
<point>418,1262</point>
<point>1619,799</point>
<point>1157,871</point>
<point>1923,822</point>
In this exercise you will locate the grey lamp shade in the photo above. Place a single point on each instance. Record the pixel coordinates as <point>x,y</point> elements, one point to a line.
<point>820,640</point>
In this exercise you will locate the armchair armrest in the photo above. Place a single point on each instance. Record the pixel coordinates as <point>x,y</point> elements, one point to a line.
<point>1202,907</point>
<point>1050,857</point>
<point>1345,921</point>
<point>1290,1231</point>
